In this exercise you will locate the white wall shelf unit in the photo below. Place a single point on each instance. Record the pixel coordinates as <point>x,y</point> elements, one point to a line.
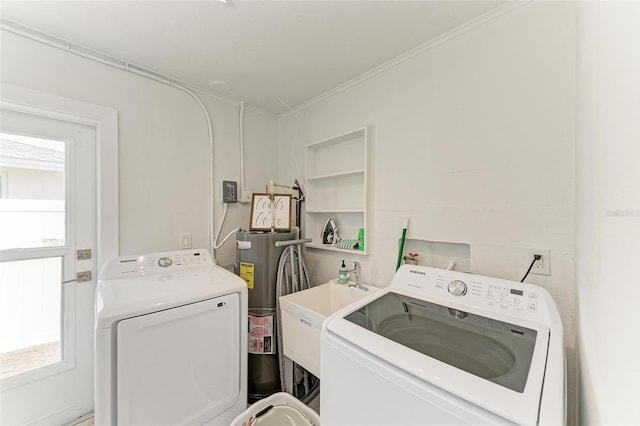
<point>337,186</point>
<point>337,175</point>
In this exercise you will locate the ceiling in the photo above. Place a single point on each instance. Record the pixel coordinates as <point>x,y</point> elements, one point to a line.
<point>266,53</point>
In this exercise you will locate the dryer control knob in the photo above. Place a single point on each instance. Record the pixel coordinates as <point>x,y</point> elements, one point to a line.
<point>165,262</point>
<point>457,288</point>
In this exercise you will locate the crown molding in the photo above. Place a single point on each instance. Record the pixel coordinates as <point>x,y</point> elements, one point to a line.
<point>499,11</point>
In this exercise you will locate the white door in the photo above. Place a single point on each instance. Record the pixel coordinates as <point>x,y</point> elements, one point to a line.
<point>47,214</point>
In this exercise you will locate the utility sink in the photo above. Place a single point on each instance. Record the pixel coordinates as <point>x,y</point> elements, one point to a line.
<point>302,316</point>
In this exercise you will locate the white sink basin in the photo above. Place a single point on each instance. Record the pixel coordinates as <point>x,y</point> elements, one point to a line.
<point>302,316</point>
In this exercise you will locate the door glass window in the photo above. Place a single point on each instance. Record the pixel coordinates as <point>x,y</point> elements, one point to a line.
<point>29,315</point>
<point>32,207</point>
<point>493,350</point>
<point>32,216</point>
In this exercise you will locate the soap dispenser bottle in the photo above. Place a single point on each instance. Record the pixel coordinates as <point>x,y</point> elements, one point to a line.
<point>343,274</point>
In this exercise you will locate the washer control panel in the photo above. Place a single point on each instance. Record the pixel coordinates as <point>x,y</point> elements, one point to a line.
<point>495,293</point>
<point>505,297</point>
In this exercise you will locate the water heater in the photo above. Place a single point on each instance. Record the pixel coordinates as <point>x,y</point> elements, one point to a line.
<point>257,260</point>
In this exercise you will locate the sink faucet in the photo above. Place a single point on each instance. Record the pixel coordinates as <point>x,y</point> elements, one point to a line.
<point>356,276</point>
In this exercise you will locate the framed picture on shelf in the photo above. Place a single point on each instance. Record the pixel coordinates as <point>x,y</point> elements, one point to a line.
<point>261,212</point>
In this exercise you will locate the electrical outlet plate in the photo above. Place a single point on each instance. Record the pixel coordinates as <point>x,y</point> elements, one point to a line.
<point>542,266</point>
<point>229,191</point>
<point>185,240</point>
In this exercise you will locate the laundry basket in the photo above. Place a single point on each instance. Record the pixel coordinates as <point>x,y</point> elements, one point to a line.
<point>286,411</point>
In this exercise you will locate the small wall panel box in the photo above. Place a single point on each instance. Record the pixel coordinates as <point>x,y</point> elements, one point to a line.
<point>336,176</point>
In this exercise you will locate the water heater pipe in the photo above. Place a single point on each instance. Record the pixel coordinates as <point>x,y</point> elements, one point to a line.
<point>212,238</point>
<point>272,198</point>
<point>242,198</point>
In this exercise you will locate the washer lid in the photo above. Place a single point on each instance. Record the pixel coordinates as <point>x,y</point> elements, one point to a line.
<point>496,363</point>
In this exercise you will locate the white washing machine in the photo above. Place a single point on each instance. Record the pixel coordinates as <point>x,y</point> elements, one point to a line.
<point>170,341</point>
<point>443,347</point>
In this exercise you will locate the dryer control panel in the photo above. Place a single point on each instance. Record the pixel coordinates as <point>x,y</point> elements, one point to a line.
<point>153,263</point>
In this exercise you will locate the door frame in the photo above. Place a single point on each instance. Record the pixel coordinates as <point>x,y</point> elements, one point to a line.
<point>105,120</point>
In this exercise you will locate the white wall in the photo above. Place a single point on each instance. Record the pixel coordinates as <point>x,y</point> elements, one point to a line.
<point>608,211</point>
<point>163,144</point>
<point>474,141</point>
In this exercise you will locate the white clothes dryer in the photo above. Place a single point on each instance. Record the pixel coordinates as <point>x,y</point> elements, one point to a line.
<point>443,347</point>
<point>170,341</point>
